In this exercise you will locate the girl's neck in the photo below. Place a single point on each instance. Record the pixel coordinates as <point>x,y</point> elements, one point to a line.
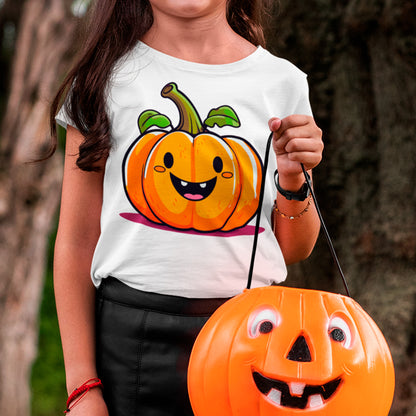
<point>207,39</point>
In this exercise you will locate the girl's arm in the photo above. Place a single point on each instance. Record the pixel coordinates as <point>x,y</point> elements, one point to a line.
<point>296,140</point>
<point>78,232</point>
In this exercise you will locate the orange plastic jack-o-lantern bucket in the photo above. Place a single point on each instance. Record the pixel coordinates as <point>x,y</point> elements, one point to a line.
<point>284,351</point>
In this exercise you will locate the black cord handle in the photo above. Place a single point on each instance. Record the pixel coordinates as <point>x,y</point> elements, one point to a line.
<point>324,228</point>
<point>261,197</point>
<point>326,233</point>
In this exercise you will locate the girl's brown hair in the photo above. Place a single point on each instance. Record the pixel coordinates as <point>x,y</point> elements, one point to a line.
<point>114,28</point>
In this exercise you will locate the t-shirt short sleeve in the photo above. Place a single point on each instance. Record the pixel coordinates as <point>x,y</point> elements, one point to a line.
<point>303,105</point>
<point>63,119</point>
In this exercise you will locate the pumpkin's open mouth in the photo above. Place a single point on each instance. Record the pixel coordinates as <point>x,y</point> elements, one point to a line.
<point>296,395</point>
<point>194,191</point>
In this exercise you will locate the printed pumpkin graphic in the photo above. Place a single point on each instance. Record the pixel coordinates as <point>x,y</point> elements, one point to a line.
<point>189,177</point>
<point>276,351</point>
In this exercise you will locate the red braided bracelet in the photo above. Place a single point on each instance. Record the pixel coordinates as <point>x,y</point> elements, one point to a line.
<point>80,392</point>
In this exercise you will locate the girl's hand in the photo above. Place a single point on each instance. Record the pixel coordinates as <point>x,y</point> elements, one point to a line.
<point>296,139</point>
<point>91,404</point>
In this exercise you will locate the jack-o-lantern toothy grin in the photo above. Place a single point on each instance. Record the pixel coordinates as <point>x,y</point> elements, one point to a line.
<point>296,395</point>
<point>193,191</point>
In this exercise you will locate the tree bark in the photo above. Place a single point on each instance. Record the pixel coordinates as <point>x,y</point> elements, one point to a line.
<point>29,192</point>
<point>361,58</point>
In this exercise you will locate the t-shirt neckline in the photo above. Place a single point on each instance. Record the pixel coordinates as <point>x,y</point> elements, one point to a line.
<point>243,63</point>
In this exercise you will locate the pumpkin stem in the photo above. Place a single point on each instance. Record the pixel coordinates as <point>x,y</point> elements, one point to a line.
<point>189,118</point>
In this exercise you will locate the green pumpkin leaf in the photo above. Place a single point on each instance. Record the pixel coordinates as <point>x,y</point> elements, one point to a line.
<point>151,118</point>
<point>222,116</point>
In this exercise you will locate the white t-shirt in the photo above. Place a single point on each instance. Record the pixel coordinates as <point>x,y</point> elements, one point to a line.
<point>178,212</point>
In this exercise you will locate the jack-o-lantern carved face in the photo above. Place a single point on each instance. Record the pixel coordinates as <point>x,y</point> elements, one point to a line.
<point>192,178</point>
<point>282,351</point>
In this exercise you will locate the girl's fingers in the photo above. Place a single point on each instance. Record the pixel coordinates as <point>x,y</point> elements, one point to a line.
<point>274,124</point>
<point>309,159</point>
<point>297,139</point>
<point>294,133</point>
<point>296,120</point>
<point>304,145</point>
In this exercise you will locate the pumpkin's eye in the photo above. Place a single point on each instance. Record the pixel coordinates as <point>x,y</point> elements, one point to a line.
<point>340,331</point>
<point>168,160</point>
<point>218,164</point>
<point>262,321</point>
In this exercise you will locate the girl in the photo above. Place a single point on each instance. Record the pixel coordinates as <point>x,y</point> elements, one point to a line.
<point>167,113</point>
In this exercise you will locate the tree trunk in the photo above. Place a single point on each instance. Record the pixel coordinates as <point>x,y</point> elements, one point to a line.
<point>29,192</point>
<point>361,59</point>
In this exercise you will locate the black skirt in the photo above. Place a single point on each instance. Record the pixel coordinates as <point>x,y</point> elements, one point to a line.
<point>143,345</point>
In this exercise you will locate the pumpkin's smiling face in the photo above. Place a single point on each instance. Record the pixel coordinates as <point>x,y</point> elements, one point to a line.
<point>183,169</point>
<point>187,179</point>
<point>279,351</point>
<point>206,182</point>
